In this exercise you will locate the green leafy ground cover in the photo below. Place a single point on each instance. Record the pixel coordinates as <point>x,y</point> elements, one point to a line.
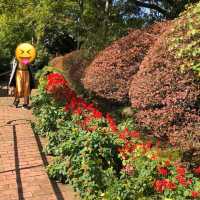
<point>103,159</point>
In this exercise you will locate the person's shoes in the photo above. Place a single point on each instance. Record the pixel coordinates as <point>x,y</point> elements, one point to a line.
<point>16,103</point>
<point>26,107</point>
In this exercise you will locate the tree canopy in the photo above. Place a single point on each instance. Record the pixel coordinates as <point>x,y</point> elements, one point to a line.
<point>64,25</point>
<point>169,9</point>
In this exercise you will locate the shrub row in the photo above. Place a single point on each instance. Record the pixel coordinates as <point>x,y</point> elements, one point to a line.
<point>101,159</point>
<point>167,98</point>
<point>110,73</point>
<point>165,90</point>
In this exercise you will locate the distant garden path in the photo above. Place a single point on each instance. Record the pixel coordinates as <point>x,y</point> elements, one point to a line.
<point>22,171</point>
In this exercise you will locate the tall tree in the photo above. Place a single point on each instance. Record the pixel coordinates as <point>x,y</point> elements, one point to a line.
<point>170,9</point>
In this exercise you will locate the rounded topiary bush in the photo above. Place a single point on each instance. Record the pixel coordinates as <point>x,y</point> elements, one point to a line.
<point>73,65</point>
<point>110,73</point>
<point>168,98</point>
<point>57,62</point>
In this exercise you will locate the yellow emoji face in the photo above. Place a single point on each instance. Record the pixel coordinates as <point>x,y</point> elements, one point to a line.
<point>25,53</point>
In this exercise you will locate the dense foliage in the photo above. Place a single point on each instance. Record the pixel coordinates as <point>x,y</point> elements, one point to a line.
<point>169,9</point>
<point>74,67</point>
<point>73,64</point>
<point>184,39</point>
<point>65,25</point>
<point>60,26</point>
<point>166,97</point>
<point>26,21</point>
<point>101,159</point>
<point>110,73</point>
<point>57,62</point>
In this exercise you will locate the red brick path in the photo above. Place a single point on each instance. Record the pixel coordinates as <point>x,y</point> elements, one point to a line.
<point>22,172</point>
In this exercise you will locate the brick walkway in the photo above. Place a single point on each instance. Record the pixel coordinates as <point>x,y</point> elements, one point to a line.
<point>22,172</point>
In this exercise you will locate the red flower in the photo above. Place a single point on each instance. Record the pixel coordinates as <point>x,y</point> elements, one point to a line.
<point>182,180</point>
<point>97,114</point>
<point>122,135</point>
<point>129,147</point>
<point>55,79</point>
<point>78,111</point>
<point>72,94</point>
<point>163,171</point>
<point>190,181</point>
<point>90,107</point>
<point>148,145</point>
<point>197,170</point>
<point>86,121</point>
<point>113,127</point>
<point>195,194</point>
<point>170,185</point>
<point>167,163</point>
<point>154,157</point>
<point>180,170</point>
<point>108,117</point>
<point>57,86</point>
<point>80,100</point>
<point>84,105</point>
<point>134,134</point>
<point>73,103</point>
<point>111,122</point>
<point>161,185</point>
<point>67,107</point>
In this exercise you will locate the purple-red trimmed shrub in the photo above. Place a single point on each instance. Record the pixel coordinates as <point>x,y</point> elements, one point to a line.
<point>110,73</point>
<point>167,100</point>
<point>74,67</point>
<point>57,62</point>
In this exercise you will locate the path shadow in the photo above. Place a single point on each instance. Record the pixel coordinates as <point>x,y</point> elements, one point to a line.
<point>17,169</point>
<point>53,183</point>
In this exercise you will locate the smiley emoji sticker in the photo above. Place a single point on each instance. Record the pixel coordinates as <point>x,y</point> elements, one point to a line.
<point>25,53</point>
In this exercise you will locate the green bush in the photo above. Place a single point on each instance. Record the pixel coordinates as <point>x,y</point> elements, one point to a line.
<point>105,161</point>
<point>185,39</point>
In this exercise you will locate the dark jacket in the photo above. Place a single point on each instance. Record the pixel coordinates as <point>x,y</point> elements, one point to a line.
<point>12,80</point>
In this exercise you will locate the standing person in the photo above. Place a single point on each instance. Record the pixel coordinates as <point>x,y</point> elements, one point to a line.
<point>21,77</point>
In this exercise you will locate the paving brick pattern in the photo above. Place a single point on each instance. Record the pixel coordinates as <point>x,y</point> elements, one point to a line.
<point>22,171</point>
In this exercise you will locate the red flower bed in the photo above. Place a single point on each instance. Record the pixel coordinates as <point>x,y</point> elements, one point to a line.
<point>195,194</point>
<point>169,175</point>
<point>163,171</point>
<point>57,86</point>
<point>161,185</point>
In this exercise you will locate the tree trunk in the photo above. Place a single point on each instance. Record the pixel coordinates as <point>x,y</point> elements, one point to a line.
<point>81,6</point>
<point>108,4</point>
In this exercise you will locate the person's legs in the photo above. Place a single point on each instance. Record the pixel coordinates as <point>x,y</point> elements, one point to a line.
<point>26,89</point>
<point>26,100</point>
<point>16,101</point>
<point>26,103</point>
<point>18,93</point>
